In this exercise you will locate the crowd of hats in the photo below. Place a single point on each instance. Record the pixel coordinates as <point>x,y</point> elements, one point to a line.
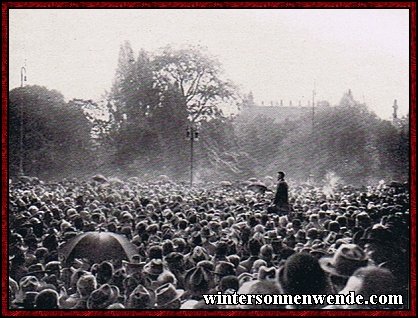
<point>204,240</point>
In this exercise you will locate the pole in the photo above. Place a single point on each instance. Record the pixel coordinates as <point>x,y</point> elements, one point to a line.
<point>191,155</point>
<point>313,107</point>
<point>22,80</point>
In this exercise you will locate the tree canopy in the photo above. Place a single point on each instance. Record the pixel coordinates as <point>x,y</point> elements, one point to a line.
<point>56,135</point>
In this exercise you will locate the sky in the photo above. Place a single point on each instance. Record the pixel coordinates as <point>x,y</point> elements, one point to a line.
<point>278,54</point>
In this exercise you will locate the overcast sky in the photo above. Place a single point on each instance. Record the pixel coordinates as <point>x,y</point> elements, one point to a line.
<point>276,53</point>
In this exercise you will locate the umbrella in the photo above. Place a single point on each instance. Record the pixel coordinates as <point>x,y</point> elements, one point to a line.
<point>225,183</point>
<point>99,178</point>
<point>257,187</point>
<point>25,179</point>
<point>98,247</point>
<point>163,178</point>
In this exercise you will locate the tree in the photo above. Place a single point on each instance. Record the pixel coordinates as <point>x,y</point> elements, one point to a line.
<point>56,135</point>
<point>199,79</point>
<point>248,100</point>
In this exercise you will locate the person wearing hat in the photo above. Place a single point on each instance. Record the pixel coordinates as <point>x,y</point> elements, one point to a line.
<point>223,269</point>
<point>141,298</point>
<point>368,281</point>
<point>36,270</point>
<point>13,290</point>
<point>153,269</point>
<point>175,264</point>
<point>104,272</point>
<point>28,289</point>
<point>133,266</point>
<point>254,247</point>
<point>281,198</point>
<point>103,297</point>
<point>168,297</point>
<point>379,244</point>
<point>267,273</point>
<point>347,259</point>
<point>86,284</point>
<point>259,287</point>
<point>206,234</point>
<point>235,259</point>
<point>197,282</point>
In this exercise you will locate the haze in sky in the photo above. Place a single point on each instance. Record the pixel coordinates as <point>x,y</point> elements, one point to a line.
<point>278,54</point>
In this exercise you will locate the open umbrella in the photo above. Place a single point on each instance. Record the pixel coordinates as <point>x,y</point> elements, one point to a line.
<point>100,178</point>
<point>225,183</point>
<point>98,247</point>
<point>257,187</point>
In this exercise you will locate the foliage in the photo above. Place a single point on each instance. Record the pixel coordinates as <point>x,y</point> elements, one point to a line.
<point>56,135</point>
<point>198,78</point>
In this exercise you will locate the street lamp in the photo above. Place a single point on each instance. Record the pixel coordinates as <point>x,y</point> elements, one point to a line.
<point>192,134</point>
<point>22,76</point>
<point>22,82</point>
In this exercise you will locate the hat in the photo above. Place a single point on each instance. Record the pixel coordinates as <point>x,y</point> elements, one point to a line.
<point>271,235</point>
<point>245,277</point>
<point>207,265</point>
<point>26,300</point>
<point>266,273</point>
<point>262,287</point>
<point>141,298</point>
<point>116,306</point>
<point>154,267</point>
<point>377,235</point>
<point>196,239</point>
<point>189,304</point>
<point>133,266</point>
<point>174,258</point>
<point>53,266</point>
<point>34,269</point>
<point>155,252</point>
<point>345,261</point>
<point>312,233</point>
<point>166,294</point>
<point>318,250</point>
<point>199,254</point>
<point>206,232</point>
<point>166,277</point>
<point>224,269</point>
<point>197,279</point>
<point>103,297</point>
<point>28,283</point>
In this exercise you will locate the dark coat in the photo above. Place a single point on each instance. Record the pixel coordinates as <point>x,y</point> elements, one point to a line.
<point>281,199</point>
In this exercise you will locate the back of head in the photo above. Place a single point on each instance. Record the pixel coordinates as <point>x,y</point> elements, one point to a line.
<point>47,299</point>
<point>229,282</point>
<point>254,246</point>
<point>375,281</point>
<point>302,274</point>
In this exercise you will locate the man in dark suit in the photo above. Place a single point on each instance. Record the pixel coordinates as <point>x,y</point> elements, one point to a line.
<point>281,199</point>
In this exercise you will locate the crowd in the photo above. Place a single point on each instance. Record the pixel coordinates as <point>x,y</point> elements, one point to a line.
<point>202,240</point>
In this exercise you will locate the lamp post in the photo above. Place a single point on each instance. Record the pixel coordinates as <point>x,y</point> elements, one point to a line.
<point>192,134</point>
<point>22,76</point>
<point>313,106</point>
<point>22,82</point>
